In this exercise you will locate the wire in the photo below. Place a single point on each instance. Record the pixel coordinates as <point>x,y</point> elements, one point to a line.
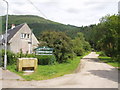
<point>37,8</point>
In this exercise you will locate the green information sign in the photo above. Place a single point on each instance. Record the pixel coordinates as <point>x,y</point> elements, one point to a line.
<point>43,51</point>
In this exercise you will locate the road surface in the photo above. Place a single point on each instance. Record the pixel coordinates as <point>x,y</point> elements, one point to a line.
<point>90,74</point>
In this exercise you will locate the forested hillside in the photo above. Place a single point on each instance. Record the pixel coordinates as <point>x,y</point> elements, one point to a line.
<point>39,24</point>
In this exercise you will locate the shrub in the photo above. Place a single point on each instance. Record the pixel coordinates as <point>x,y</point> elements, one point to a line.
<point>1,59</point>
<point>21,55</point>
<point>71,55</point>
<point>11,57</point>
<point>79,51</point>
<point>80,46</point>
<point>30,56</point>
<point>46,59</point>
<point>86,46</point>
<point>60,42</point>
<point>102,54</point>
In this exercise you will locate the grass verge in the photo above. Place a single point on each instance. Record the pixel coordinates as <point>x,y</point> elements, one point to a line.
<point>44,72</point>
<point>108,60</point>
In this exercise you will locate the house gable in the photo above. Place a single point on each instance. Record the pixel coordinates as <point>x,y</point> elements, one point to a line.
<point>24,29</point>
<point>12,32</point>
<point>17,42</point>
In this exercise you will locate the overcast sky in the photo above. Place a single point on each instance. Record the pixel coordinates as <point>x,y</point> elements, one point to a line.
<point>74,12</point>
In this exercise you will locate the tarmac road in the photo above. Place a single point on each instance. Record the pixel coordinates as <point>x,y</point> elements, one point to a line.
<point>90,74</point>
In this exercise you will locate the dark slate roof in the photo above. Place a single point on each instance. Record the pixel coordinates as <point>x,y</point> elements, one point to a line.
<point>11,33</point>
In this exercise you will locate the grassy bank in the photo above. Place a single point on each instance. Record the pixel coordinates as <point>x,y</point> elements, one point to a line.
<point>108,60</point>
<point>44,72</point>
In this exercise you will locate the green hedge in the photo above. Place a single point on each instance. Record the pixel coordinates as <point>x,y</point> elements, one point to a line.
<point>12,58</point>
<point>42,59</point>
<point>46,59</point>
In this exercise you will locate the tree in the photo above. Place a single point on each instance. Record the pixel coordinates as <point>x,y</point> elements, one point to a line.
<point>60,42</point>
<point>80,45</point>
<point>110,40</point>
<point>105,35</point>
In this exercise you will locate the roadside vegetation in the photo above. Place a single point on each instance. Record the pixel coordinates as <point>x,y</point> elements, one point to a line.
<point>64,47</point>
<point>44,72</point>
<point>106,59</point>
<point>65,59</point>
<point>70,43</point>
<point>105,36</point>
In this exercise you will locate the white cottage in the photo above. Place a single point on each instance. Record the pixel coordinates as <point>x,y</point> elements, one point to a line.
<point>20,38</point>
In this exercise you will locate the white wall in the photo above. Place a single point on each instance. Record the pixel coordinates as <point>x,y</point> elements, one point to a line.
<point>17,43</point>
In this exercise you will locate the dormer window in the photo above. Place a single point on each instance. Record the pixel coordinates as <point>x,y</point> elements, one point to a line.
<point>24,35</point>
<point>28,35</point>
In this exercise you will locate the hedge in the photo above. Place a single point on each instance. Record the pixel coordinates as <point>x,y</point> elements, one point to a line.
<point>12,58</point>
<point>46,59</point>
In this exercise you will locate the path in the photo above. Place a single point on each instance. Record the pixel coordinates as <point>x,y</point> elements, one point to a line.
<point>92,75</point>
<point>7,75</point>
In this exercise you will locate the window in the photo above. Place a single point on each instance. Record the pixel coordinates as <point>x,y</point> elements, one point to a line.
<point>28,35</point>
<point>22,35</point>
<point>25,35</point>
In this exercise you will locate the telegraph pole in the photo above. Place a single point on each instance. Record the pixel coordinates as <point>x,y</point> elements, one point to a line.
<point>5,55</point>
<point>119,8</point>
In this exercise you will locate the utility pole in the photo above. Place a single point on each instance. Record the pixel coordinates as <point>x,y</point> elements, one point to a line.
<point>5,55</point>
<point>119,8</point>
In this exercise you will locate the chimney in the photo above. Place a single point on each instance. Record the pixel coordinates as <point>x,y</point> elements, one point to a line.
<point>13,26</point>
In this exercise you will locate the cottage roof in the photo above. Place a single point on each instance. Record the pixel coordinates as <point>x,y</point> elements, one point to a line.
<point>11,33</point>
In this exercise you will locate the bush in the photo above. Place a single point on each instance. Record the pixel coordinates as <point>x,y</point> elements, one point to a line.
<point>71,55</point>
<point>102,54</point>
<point>11,57</point>
<point>46,59</point>
<point>80,46</point>
<point>60,42</point>
<point>79,51</point>
<point>1,59</point>
<point>86,46</point>
<point>30,56</point>
<point>42,59</point>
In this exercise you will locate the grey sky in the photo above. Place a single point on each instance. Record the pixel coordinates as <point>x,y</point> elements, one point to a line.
<point>74,12</point>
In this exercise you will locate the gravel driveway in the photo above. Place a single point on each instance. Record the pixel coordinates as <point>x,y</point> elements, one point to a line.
<point>90,74</point>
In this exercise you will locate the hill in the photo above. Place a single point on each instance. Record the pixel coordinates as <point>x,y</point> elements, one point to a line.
<point>39,24</point>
